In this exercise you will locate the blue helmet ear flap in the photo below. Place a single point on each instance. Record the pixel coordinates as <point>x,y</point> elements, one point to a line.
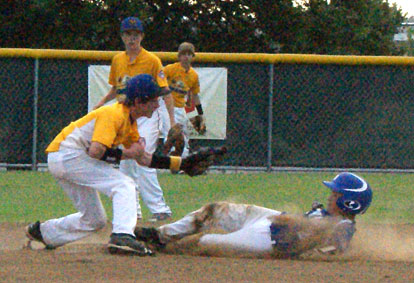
<point>356,193</point>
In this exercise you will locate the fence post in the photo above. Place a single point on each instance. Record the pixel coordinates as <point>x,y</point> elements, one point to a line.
<point>270,119</point>
<point>35,101</point>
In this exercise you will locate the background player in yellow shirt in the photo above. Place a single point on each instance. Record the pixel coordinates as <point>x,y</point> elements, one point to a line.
<point>136,60</point>
<point>185,85</point>
<point>80,159</point>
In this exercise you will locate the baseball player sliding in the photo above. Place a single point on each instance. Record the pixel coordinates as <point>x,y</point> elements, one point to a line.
<point>230,228</point>
<point>81,157</point>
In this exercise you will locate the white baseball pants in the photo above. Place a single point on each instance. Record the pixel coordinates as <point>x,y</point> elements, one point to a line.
<point>180,117</point>
<point>146,178</point>
<point>82,177</point>
<point>248,227</point>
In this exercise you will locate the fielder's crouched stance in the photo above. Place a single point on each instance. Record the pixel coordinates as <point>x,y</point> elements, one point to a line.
<point>250,229</point>
<point>80,156</point>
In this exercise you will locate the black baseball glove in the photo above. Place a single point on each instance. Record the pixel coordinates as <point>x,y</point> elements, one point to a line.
<point>199,124</point>
<point>175,139</point>
<point>197,163</point>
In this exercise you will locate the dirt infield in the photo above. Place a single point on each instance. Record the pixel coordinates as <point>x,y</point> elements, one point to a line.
<point>380,253</point>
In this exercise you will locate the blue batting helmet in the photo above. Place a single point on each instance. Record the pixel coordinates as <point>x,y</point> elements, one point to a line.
<point>357,194</point>
<point>144,87</point>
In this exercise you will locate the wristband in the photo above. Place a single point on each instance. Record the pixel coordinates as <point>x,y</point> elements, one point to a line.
<point>199,109</point>
<point>112,155</point>
<point>166,162</point>
<point>160,162</point>
<point>175,163</point>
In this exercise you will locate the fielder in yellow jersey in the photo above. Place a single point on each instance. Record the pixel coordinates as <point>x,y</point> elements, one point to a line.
<point>185,85</point>
<point>133,61</point>
<point>80,159</point>
<point>136,60</point>
<point>108,125</point>
<point>182,82</point>
<point>122,68</point>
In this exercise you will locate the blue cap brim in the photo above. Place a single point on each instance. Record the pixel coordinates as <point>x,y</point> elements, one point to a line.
<point>332,186</point>
<point>127,29</point>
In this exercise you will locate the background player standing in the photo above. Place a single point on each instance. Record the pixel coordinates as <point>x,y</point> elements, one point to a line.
<point>184,82</point>
<point>259,230</point>
<point>136,60</point>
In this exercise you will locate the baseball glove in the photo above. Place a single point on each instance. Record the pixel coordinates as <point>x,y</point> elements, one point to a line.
<point>199,124</point>
<point>197,163</point>
<point>175,139</point>
<point>293,235</point>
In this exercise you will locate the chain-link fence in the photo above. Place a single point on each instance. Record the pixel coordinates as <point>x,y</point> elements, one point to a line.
<point>332,112</point>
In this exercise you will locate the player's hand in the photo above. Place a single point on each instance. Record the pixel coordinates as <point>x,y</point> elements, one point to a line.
<point>203,127</point>
<point>135,151</point>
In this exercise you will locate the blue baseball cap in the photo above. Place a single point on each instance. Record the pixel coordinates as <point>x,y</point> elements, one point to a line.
<point>144,87</point>
<point>132,23</point>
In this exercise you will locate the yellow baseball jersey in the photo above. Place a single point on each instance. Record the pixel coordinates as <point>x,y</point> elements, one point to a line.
<point>181,82</point>
<point>109,125</point>
<point>145,63</point>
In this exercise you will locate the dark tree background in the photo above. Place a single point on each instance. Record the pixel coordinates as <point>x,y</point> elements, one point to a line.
<point>358,27</point>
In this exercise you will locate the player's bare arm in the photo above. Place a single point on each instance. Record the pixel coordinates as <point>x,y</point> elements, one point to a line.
<point>197,103</point>
<point>196,99</point>
<point>169,103</point>
<point>189,100</point>
<point>108,97</point>
<point>195,164</point>
<point>97,150</point>
<point>135,151</point>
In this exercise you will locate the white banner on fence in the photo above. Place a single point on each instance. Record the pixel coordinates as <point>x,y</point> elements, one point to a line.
<point>213,95</point>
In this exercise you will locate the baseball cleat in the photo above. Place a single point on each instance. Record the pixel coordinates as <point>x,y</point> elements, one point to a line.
<point>127,244</point>
<point>34,234</point>
<point>149,235</point>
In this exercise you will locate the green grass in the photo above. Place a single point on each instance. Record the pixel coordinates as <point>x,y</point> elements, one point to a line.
<point>27,196</point>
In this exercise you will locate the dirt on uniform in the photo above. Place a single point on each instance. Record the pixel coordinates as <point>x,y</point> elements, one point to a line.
<point>379,253</point>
